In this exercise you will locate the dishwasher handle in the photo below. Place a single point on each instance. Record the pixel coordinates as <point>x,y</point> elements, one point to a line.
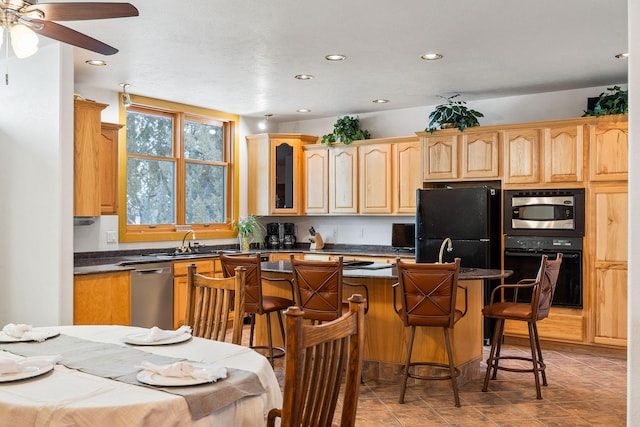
<point>151,271</point>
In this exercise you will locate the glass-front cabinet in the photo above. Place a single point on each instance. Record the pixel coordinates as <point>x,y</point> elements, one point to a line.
<point>274,174</point>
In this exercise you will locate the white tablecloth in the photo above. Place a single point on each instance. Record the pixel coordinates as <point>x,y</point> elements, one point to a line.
<point>68,397</point>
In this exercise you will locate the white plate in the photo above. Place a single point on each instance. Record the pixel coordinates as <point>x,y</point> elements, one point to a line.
<point>151,378</point>
<point>26,372</point>
<point>138,339</point>
<point>49,333</point>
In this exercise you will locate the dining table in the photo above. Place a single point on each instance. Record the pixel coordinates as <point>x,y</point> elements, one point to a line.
<point>98,381</point>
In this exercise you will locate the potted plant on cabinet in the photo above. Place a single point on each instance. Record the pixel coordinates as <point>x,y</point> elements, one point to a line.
<point>453,113</point>
<point>249,230</point>
<point>346,130</point>
<point>613,102</point>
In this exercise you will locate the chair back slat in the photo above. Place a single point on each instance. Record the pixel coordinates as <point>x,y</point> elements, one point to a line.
<point>428,293</point>
<point>253,278</point>
<point>319,358</point>
<point>213,304</point>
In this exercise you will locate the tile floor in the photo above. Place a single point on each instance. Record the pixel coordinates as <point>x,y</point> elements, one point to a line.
<point>583,390</point>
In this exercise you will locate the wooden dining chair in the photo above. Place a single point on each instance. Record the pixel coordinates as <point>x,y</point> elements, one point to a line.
<point>542,289</point>
<point>256,303</point>
<point>214,303</point>
<point>428,299</point>
<point>317,360</point>
<point>318,288</point>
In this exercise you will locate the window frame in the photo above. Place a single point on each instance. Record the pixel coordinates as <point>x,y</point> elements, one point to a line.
<point>180,112</point>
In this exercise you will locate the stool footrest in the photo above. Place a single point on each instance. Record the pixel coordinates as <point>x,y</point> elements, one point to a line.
<point>437,366</point>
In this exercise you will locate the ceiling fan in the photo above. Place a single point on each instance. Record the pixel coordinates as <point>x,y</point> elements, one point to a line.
<point>23,19</point>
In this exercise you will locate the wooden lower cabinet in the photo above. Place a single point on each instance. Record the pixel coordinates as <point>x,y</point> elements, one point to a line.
<point>207,267</point>
<point>562,325</point>
<point>102,299</point>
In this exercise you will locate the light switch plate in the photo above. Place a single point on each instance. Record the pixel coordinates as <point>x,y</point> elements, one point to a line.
<point>112,237</point>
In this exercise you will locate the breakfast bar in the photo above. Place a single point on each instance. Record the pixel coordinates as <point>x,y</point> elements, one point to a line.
<point>386,337</point>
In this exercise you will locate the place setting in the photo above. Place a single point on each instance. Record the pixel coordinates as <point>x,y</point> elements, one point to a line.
<point>158,336</point>
<point>180,374</point>
<point>12,369</point>
<point>21,332</point>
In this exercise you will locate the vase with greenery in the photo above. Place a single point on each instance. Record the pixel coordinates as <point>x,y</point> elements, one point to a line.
<point>613,102</point>
<point>453,113</point>
<point>249,230</point>
<point>346,130</point>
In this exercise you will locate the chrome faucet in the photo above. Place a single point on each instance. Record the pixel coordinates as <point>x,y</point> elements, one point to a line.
<point>182,248</point>
<point>449,244</point>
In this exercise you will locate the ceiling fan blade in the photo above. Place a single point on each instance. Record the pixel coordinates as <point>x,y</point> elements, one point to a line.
<point>82,11</point>
<point>73,37</point>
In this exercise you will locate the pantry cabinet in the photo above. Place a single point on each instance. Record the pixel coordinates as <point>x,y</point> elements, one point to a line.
<point>608,250</point>
<point>274,165</point>
<point>86,167</point>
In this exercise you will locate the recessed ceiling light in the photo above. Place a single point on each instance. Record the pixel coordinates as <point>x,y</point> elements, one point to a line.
<point>96,62</point>
<point>335,57</point>
<point>380,101</point>
<point>431,56</point>
<point>304,76</point>
<point>303,110</point>
<point>623,55</point>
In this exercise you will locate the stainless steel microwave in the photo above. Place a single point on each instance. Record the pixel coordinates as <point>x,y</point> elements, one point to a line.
<point>545,212</point>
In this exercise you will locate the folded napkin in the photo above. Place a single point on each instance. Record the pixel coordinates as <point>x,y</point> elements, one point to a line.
<point>185,369</point>
<point>157,334</point>
<point>11,366</point>
<point>23,331</point>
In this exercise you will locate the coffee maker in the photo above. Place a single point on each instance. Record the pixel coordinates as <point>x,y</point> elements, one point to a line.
<point>272,239</point>
<point>289,240</point>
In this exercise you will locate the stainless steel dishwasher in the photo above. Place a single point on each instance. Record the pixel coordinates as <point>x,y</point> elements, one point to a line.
<point>152,295</point>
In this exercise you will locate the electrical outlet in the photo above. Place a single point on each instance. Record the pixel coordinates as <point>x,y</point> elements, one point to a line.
<point>112,237</point>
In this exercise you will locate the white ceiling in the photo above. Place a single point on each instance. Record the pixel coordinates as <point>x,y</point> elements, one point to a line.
<point>241,56</point>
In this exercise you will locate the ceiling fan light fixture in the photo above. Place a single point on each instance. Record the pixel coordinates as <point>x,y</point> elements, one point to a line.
<point>23,41</point>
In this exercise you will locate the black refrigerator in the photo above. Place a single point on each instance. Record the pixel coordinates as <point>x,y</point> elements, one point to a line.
<point>470,217</point>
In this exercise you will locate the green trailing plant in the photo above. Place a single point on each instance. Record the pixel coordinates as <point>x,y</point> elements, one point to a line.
<point>346,130</point>
<point>250,227</point>
<point>453,113</point>
<point>613,102</point>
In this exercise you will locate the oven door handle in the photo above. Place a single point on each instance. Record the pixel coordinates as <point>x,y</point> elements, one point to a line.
<point>537,254</point>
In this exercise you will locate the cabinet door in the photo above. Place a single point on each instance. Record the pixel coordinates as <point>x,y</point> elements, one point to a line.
<point>406,176</point>
<point>285,183</point>
<point>108,168</point>
<point>102,299</point>
<point>343,180</point>
<point>86,200</point>
<point>316,174</point>
<point>439,157</point>
<point>521,156</point>
<point>480,155</point>
<point>563,154</point>
<point>258,175</point>
<point>608,145</point>
<point>609,216</point>
<point>375,178</point>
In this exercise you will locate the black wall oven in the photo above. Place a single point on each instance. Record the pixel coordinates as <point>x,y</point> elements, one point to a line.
<point>523,254</point>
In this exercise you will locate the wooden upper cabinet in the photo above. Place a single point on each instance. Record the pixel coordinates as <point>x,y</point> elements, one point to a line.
<point>563,153</point>
<point>375,162</point>
<point>343,180</point>
<point>521,155</point>
<point>608,149</point>
<point>86,179</point>
<point>439,157</point>
<point>316,174</point>
<point>108,168</point>
<point>274,177</point>
<point>480,155</point>
<point>406,176</point>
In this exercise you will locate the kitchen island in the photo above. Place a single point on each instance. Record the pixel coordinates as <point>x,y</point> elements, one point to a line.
<point>386,338</point>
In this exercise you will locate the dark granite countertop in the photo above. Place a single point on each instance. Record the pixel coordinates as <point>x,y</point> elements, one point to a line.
<point>391,272</point>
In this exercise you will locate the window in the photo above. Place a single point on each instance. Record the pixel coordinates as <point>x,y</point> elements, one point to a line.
<point>178,172</point>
